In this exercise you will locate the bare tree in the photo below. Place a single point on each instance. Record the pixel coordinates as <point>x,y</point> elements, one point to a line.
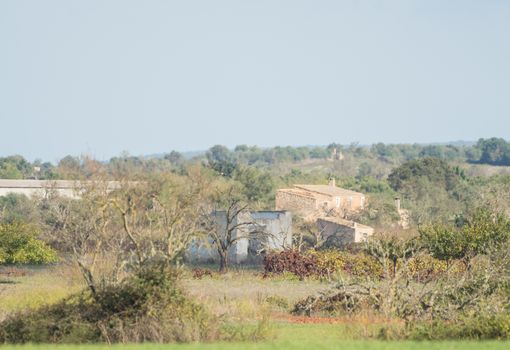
<point>230,222</point>
<point>160,217</point>
<point>79,226</point>
<point>110,231</point>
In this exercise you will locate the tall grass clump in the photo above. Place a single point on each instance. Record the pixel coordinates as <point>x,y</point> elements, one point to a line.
<point>148,307</point>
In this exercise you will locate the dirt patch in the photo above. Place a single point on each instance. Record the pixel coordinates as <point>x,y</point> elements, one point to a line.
<point>332,320</point>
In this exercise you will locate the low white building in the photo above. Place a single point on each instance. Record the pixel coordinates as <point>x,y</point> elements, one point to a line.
<point>267,231</point>
<point>31,188</point>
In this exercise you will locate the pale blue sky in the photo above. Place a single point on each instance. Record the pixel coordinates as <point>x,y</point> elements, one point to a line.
<point>100,77</point>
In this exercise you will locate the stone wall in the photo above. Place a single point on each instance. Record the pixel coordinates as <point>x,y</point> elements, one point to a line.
<point>295,202</point>
<point>335,235</point>
<point>338,232</point>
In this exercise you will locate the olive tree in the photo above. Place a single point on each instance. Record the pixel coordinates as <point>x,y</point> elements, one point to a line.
<point>476,235</point>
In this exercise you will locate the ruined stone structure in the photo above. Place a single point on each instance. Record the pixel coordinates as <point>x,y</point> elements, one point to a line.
<point>337,232</point>
<point>268,231</point>
<point>319,200</point>
<point>32,188</point>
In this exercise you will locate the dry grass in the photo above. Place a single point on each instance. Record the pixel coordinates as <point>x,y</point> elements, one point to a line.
<point>31,287</point>
<point>245,295</point>
<point>241,295</point>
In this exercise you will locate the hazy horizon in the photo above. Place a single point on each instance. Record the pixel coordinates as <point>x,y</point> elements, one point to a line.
<point>192,153</point>
<point>148,77</point>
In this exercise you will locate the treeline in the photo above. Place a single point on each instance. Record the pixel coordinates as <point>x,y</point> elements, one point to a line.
<point>253,155</point>
<point>494,151</point>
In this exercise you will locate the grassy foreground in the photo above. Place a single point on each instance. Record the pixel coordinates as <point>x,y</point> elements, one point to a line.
<point>292,336</point>
<point>239,296</point>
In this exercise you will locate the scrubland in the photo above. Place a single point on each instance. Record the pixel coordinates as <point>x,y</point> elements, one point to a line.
<point>242,296</point>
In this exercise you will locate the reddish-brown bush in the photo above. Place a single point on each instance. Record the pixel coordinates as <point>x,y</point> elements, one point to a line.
<point>291,261</point>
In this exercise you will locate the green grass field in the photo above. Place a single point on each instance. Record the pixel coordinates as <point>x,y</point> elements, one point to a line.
<point>293,337</point>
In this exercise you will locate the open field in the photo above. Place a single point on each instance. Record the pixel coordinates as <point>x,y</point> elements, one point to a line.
<point>240,296</point>
<point>32,287</point>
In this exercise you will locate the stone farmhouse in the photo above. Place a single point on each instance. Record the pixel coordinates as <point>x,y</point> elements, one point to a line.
<point>318,200</point>
<point>266,231</point>
<point>326,205</point>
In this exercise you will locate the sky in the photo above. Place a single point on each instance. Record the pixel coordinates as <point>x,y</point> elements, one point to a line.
<point>110,76</point>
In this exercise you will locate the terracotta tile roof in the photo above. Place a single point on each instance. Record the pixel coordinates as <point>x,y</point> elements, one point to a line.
<point>328,190</point>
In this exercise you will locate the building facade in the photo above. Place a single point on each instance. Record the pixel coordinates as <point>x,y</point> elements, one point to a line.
<point>309,200</point>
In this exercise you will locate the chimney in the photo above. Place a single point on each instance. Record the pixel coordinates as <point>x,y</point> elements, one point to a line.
<point>332,182</point>
<point>397,203</point>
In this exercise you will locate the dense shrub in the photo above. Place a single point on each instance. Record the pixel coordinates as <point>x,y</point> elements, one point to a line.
<point>424,267</point>
<point>19,245</point>
<point>328,263</point>
<point>146,307</point>
<point>475,235</point>
<point>332,261</point>
<point>475,328</point>
<point>290,261</point>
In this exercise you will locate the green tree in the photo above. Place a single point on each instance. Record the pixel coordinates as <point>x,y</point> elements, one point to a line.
<point>434,170</point>
<point>15,167</point>
<point>258,186</point>
<point>494,151</point>
<point>175,158</point>
<point>17,208</point>
<point>220,159</point>
<point>478,234</point>
<point>389,250</point>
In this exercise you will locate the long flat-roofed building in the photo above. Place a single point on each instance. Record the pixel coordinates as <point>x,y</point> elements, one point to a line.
<point>30,188</point>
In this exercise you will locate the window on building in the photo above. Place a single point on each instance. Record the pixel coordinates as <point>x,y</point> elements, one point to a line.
<point>362,202</point>
<point>350,202</point>
<point>338,201</point>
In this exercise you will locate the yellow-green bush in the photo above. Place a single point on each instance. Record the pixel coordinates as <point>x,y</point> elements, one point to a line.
<point>334,261</point>
<point>19,245</point>
<point>423,267</point>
